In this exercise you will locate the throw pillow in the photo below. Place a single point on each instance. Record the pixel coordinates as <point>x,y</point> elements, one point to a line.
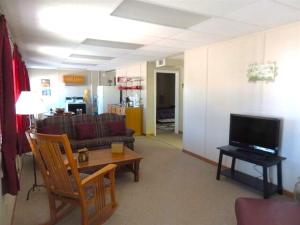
<point>50,129</point>
<point>85,131</point>
<point>116,128</point>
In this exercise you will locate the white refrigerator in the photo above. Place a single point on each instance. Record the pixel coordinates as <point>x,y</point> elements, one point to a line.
<point>107,95</point>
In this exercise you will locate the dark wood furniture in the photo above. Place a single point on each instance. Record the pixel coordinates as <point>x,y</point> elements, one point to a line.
<point>265,161</point>
<point>66,187</point>
<point>102,157</point>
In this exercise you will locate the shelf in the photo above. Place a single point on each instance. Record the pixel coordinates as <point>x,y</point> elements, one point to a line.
<point>129,79</point>
<point>136,87</point>
<point>251,181</point>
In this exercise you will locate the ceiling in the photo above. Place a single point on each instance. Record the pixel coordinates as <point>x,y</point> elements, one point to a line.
<point>55,33</point>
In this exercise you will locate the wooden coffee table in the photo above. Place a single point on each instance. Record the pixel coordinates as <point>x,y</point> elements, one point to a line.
<point>102,157</point>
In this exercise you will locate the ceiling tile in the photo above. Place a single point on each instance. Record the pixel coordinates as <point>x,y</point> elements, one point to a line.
<point>206,7</point>
<point>160,49</point>
<point>291,3</point>
<point>225,27</point>
<point>266,13</point>
<point>45,39</point>
<point>179,44</point>
<point>93,50</point>
<point>200,38</point>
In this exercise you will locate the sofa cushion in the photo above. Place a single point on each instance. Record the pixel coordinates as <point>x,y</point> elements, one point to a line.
<point>50,129</point>
<point>85,131</point>
<point>116,128</point>
<point>101,121</point>
<point>62,125</point>
<point>81,119</point>
<point>108,140</point>
<point>99,142</point>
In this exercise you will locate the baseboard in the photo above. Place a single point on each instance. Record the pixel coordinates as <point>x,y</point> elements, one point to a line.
<point>288,194</point>
<point>200,157</point>
<point>148,135</point>
<point>285,192</point>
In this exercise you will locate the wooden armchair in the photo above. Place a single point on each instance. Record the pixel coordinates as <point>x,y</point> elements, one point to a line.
<point>95,193</point>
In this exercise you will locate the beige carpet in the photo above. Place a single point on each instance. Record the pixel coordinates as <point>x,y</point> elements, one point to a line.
<point>170,138</point>
<point>174,189</point>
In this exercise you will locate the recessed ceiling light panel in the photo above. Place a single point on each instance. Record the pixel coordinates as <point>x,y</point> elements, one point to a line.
<point>151,13</point>
<point>111,44</point>
<point>96,57</point>
<point>79,64</point>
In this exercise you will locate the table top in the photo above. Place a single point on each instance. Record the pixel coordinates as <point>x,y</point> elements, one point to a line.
<point>103,157</point>
<point>234,152</point>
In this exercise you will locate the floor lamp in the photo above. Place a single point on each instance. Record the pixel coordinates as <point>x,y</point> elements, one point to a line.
<point>29,103</point>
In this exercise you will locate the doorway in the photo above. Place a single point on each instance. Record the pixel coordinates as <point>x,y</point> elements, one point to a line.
<point>166,107</point>
<point>166,101</point>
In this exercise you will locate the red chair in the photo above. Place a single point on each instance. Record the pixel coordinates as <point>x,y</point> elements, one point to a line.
<point>250,211</point>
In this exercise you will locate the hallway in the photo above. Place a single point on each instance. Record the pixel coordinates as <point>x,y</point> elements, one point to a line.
<point>170,138</point>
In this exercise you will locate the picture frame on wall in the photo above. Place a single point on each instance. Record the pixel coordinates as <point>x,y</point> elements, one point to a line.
<point>45,85</point>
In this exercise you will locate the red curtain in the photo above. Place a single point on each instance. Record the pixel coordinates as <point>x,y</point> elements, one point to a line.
<point>7,114</point>
<point>21,83</point>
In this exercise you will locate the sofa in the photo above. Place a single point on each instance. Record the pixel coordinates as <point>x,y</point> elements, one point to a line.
<point>91,131</point>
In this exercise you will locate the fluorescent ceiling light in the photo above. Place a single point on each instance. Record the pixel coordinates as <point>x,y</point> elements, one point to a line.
<point>151,13</point>
<point>111,44</point>
<point>97,57</point>
<point>79,64</point>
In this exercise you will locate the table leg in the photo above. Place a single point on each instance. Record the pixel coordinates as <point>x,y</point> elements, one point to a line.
<point>232,166</point>
<point>265,182</point>
<point>136,166</point>
<point>219,165</point>
<point>279,179</point>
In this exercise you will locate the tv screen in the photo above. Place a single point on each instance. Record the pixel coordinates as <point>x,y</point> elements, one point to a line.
<point>260,134</point>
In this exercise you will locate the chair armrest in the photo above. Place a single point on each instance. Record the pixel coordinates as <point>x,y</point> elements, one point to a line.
<point>109,169</point>
<point>94,180</point>
<point>129,132</point>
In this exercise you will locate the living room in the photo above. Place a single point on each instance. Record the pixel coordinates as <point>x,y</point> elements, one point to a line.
<point>221,57</point>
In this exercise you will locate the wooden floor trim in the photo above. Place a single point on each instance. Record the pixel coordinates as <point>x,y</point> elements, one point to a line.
<point>200,157</point>
<point>285,192</point>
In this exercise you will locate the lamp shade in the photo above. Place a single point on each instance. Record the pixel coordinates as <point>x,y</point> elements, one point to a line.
<point>29,103</point>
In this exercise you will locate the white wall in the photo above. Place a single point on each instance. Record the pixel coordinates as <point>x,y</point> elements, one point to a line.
<point>59,91</point>
<point>216,85</point>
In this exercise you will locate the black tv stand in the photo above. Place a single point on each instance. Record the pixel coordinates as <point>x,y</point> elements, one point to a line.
<point>262,160</point>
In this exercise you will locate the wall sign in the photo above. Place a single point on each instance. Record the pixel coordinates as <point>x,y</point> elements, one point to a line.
<point>74,79</point>
<point>264,72</point>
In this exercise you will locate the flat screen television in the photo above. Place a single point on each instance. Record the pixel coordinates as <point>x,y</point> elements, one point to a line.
<point>255,133</point>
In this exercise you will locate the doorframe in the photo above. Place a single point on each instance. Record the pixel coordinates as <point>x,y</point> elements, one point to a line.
<point>176,73</point>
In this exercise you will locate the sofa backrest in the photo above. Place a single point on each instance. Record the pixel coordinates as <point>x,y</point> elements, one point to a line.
<point>61,125</point>
<point>81,119</point>
<point>67,124</point>
<point>101,122</point>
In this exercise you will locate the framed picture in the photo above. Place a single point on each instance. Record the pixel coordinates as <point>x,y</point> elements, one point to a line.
<point>264,72</point>
<point>45,84</point>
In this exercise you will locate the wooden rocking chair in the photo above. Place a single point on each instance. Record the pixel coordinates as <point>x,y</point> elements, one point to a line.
<point>66,185</point>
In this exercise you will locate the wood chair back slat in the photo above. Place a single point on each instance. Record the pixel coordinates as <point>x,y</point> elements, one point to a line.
<point>63,182</point>
<point>60,179</point>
